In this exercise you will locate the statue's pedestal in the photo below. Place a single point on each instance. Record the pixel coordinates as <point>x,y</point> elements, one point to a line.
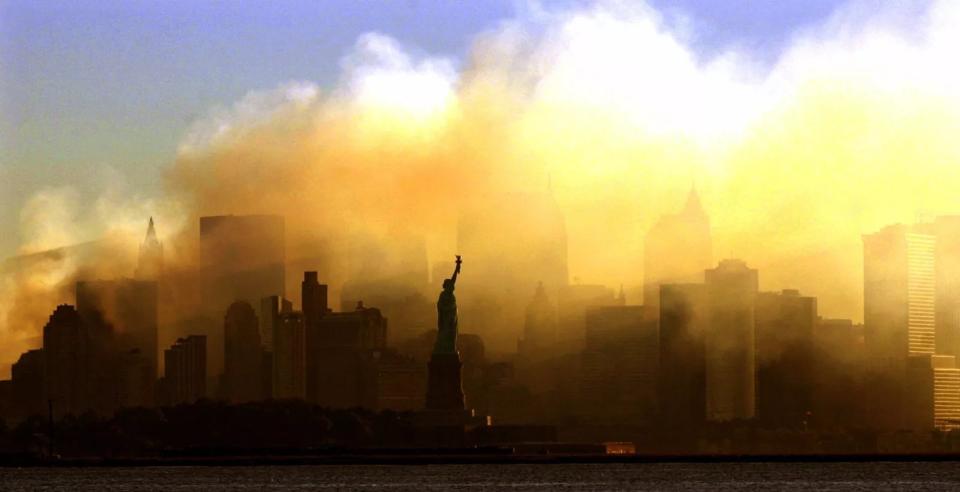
<point>446,421</point>
<point>444,388</point>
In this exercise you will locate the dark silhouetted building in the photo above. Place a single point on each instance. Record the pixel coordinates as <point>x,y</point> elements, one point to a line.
<point>128,309</point>
<point>313,296</point>
<point>289,356</point>
<point>572,304</point>
<point>394,382</point>
<point>66,361</point>
<point>682,380</point>
<point>677,249</point>
<point>242,257</point>
<point>840,369</point>
<point>28,382</point>
<point>270,310</point>
<point>932,393</point>
<point>620,362</point>
<point>337,353</point>
<point>243,355</point>
<point>785,324</point>
<point>185,370</point>
<point>730,347</point>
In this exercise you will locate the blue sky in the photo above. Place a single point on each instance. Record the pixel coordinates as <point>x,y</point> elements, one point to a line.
<point>93,85</point>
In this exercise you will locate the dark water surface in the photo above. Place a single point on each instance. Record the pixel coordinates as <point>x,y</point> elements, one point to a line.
<point>644,476</point>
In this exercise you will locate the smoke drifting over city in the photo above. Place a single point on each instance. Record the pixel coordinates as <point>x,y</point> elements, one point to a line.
<point>606,108</point>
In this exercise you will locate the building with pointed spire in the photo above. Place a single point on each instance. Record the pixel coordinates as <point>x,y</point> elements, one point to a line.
<point>150,261</point>
<point>539,328</point>
<point>677,249</point>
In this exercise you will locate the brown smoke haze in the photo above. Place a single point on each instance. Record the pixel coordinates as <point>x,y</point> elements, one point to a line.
<point>853,128</point>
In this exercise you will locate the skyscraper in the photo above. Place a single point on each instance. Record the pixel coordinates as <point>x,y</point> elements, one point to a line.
<point>243,355</point>
<point>28,380</point>
<point>620,362</point>
<point>185,371</point>
<point>932,393</point>
<point>730,341</point>
<point>150,260</point>
<point>539,328</point>
<point>66,361</point>
<point>270,310</point>
<point>313,296</point>
<point>947,262</point>
<point>899,292</point>
<point>289,355</point>
<point>682,380</point>
<point>785,340</point>
<point>677,249</point>
<point>129,307</point>
<point>339,350</point>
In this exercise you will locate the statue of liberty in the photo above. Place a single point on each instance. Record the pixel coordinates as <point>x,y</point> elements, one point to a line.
<point>447,316</point>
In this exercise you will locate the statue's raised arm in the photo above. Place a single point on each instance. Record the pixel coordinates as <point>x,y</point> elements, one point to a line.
<point>456,271</point>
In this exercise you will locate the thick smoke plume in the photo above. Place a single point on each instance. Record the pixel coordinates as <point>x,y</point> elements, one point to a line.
<point>852,128</point>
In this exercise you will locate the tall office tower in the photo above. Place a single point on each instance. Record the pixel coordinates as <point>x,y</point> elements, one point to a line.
<point>185,371</point>
<point>337,354</point>
<point>947,230</point>
<point>289,355</point>
<point>619,363</point>
<point>66,361</point>
<point>270,310</point>
<point>682,381</point>
<point>731,341</point>
<point>677,249</point>
<point>539,328</point>
<point>785,379</point>
<point>28,379</point>
<point>313,296</point>
<point>127,307</point>
<point>899,292</point>
<point>135,380</point>
<point>242,257</point>
<point>243,355</point>
<point>839,399</point>
<point>933,393</point>
<point>150,260</point>
<point>509,242</point>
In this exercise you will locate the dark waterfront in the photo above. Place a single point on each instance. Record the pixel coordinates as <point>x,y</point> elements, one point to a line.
<point>655,476</point>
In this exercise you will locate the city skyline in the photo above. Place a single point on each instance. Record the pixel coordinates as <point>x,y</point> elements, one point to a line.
<point>574,226</point>
<point>685,100</point>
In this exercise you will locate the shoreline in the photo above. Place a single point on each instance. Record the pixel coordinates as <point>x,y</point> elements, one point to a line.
<point>460,457</point>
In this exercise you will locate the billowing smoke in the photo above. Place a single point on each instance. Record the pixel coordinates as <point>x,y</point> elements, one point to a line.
<point>854,126</point>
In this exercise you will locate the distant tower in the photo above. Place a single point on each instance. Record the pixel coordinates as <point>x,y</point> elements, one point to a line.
<point>243,355</point>
<point>150,262</point>
<point>677,249</point>
<point>185,370</point>
<point>731,341</point>
<point>898,292</point>
<point>65,360</point>
<point>540,327</point>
